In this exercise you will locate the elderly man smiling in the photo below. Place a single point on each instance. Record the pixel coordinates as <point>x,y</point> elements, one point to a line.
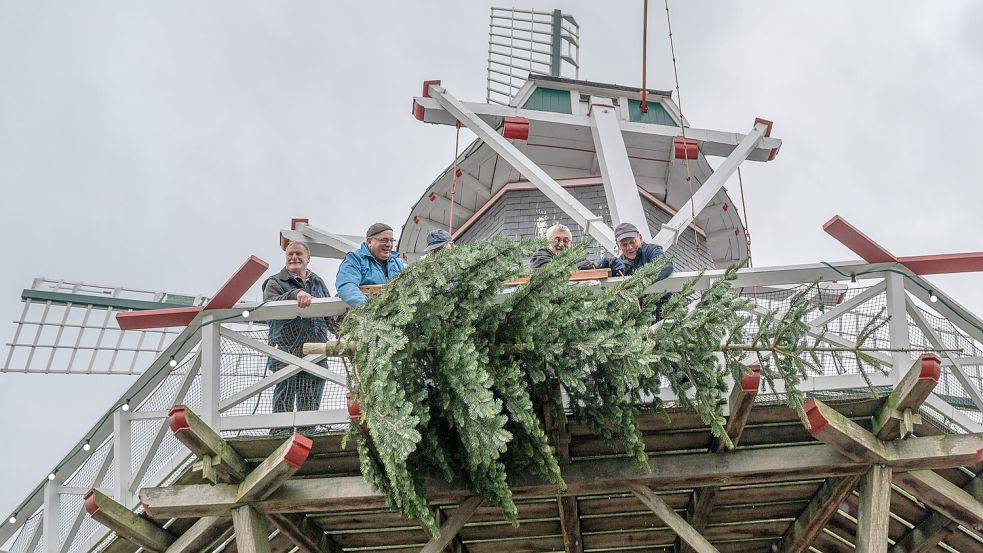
<point>296,282</point>
<point>375,262</point>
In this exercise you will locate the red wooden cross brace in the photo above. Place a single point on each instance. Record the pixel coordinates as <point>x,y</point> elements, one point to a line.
<point>872,252</point>
<point>226,297</point>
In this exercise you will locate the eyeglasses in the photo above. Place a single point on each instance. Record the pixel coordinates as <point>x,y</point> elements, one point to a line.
<point>390,241</point>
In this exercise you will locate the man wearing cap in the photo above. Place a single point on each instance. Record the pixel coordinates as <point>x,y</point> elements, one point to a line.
<point>438,239</point>
<point>375,262</point>
<point>634,252</point>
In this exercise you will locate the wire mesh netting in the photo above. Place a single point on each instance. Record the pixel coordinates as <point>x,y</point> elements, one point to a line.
<point>873,312</point>
<point>289,389</point>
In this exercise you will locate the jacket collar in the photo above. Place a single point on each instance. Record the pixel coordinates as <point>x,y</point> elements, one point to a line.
<point>286,276</point>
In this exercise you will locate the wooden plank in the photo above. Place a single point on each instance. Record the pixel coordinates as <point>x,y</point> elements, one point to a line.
<point>131,526</point>
<point>833,429</point>
<point>275,470</point>
<point>203,535</point>
<point>203,441</point>
<point>456,545</point>
<point>741,401</point>
<point>936,527</point>
<point>453,525</point>
<point>576,276</point>
<point>909,394</point>
<point>874,511</point>
<point>304,533</point>
<point>943,497</point>
<point>803,532</point>
<point>686,532</point>
<point>749,466</point>
<point>252,534</point>
<point>573,542</point>
<point>238,284</point>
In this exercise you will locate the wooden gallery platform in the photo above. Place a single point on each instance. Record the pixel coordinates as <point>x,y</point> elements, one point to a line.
<point>872,474</point>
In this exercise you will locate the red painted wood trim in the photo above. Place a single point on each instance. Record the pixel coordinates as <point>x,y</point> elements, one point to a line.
<point>426,86</point>
<point>238,284</point>
<point>766,122</point>
<point>90,503</point>
<point>418,111</point>
<point>177,418</point>
<point>817,421</point>
<point>931,367</point>
<point>300,448</point>
<point>858,242</point>
<point>751,383</point>
<point>157,318</point>
<point>944,263</point>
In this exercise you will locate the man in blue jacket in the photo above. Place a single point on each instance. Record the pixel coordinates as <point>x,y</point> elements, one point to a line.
<point>375,262</point>
<point>635,252</point>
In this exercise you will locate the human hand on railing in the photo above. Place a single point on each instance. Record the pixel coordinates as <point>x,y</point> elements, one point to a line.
<point>303,299</point>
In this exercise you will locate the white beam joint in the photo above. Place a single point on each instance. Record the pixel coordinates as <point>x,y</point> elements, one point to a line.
<point>897,325</point>
<point>592,224</point>
<point>51,519</point>
<point>620,188</point>
<point>211,365</point>
<point>688,212</point>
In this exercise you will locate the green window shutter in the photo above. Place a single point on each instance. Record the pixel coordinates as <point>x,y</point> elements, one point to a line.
<point>548,99</point>
<point>656,114</point>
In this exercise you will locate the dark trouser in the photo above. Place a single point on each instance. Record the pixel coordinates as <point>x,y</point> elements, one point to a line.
<point>302,390</point>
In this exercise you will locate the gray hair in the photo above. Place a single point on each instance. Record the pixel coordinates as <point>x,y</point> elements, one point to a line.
<point>559,227</point>
<point>297,243</point>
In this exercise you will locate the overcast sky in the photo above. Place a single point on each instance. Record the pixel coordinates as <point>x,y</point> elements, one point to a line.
<point>158,144</point>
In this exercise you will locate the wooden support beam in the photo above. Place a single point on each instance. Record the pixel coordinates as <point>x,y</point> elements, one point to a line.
<point>913,389</point>
<point>874,512</point>
<point>803,532</point>
<point>141,531</point>
<point>924,537</point>
<point>252,534</point>
<point>453,525</point>
<point>219,457</point>
<point>743,466</point>
<point>306,535</point>
<point>682,528</point>
<point>573,542</point>
<point>203,535</point>
<point>741,401</point>
<point>275,469</point>
<point>943,497</point>
<point>456,545</point>
<point>849,438</point>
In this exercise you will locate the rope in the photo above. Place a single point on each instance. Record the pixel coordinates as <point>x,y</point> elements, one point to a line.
<point>682,127</point>
<point>457,143</point>
<point>645,41</point>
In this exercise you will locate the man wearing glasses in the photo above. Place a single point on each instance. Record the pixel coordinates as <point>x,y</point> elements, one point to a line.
<point>375,262</point>
<point>560,238</point>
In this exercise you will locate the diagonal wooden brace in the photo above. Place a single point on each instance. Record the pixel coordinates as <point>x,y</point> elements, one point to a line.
<point>943,497</point>
<point>303,533</point>
<point>915,387</point>
<point>131,526</point>
<point>205,442</point>
<point>849,438</point>
<point>275,469</point>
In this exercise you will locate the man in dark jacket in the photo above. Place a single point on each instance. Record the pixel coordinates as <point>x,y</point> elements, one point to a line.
<point>296,282</point>
<point>560,238</point>
<point>634,252</point>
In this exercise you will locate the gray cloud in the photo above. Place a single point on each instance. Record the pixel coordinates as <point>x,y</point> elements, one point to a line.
<point>159,144</point>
